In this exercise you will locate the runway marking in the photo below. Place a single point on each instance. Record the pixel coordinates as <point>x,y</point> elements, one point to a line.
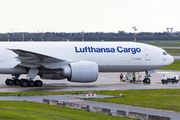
<point>75,100</point>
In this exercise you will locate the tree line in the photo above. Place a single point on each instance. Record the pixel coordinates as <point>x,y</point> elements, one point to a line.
<point>91,36</point>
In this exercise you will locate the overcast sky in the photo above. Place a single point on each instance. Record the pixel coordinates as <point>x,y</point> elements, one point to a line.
<point>88,15</point>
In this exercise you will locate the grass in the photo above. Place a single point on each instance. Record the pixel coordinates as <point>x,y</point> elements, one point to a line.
<point>174,66</point>
<point>37,111</point>
<point>40,93</point>
<point>163,99</point>
<point>162,43</point>
<point>166,44</point>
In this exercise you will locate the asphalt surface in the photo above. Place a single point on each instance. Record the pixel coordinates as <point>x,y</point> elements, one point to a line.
<point>106,81</point>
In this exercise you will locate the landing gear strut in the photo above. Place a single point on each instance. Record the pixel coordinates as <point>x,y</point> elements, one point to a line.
<point>146,79</point>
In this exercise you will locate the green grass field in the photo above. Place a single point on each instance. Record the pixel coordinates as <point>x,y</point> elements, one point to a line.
<point>163,99</point>
<point>17,110</point>
<point>162,43</point>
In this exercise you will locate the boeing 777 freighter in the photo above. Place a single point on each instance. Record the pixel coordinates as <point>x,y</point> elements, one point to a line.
<point>77,61</point>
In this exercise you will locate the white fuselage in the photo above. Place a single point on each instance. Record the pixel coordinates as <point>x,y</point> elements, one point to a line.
<point>110,56</point>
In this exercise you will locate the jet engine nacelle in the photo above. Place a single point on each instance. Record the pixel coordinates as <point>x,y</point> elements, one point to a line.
<point>83,71</point>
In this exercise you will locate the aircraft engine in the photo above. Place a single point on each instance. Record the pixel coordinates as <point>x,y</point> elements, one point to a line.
<point>83,71</point>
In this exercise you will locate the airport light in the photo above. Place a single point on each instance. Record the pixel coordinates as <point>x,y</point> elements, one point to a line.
<point>22,36</point>
<point>41,36</point>
<point>8,36</point>
<point>134,33</point>
<point>83,35</point>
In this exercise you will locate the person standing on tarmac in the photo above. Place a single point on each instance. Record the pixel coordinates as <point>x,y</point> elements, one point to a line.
<point>133,76</point>
<point>121,77</point>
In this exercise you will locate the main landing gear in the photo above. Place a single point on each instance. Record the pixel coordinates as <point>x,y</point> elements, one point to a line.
<point>146,79</point>
<point>24,82</point>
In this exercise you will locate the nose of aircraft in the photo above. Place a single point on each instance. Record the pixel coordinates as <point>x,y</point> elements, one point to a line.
<point>170,59</point>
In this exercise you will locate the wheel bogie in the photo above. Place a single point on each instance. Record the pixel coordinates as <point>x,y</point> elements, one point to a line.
<point>24,82</point>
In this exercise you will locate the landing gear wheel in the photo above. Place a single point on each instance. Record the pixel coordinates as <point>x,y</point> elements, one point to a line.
<point>17,82</point>
<point>24,83</point>
<point>147,80</point>
<point>6,82</point>
<point>31,84</point>
<point>38,83</point>
<point>9,82</point>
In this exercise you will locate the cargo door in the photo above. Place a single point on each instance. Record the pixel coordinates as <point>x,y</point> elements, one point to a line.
<point>147,55</point>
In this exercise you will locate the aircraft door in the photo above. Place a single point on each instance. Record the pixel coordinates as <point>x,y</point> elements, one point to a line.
<point>147,55</point>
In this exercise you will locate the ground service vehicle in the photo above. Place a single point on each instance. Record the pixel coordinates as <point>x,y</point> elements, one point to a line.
<point>170,78</point>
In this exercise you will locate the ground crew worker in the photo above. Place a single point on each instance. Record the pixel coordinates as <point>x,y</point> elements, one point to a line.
<point>121,77</point>
<point>133,76</point>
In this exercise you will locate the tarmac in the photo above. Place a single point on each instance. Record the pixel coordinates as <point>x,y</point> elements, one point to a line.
<point>105,81</point>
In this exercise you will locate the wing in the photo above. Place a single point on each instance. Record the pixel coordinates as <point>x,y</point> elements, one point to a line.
<point>33,60</point>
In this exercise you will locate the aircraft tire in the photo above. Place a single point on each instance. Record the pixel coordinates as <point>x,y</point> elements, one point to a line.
<point>16,82</point>
<point>38,83</point>
<point>9,82</point>
<point>24,83</point>
<point>6,82</point>
<point>147,80</point>
<point>31,84</point>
